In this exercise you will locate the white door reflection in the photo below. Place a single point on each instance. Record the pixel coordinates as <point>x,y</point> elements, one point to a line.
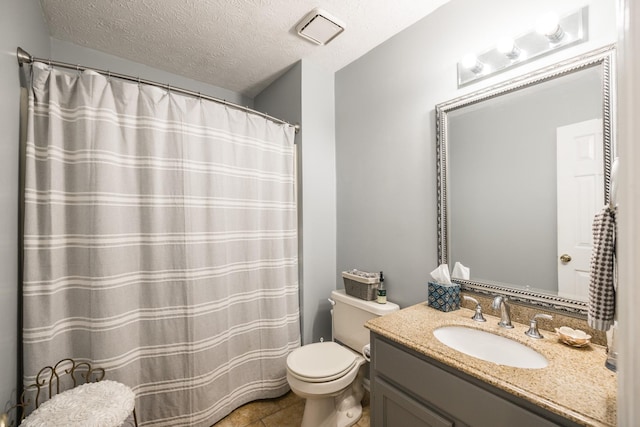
<point>580,178</point>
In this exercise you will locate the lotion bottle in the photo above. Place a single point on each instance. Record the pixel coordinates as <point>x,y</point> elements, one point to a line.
<point>382,291</point>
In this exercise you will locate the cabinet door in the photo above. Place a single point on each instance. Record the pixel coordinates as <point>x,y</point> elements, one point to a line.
<point>394,409</point>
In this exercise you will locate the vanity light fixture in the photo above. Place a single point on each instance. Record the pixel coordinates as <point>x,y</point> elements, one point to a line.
<point>319,27</point>
<point>551,34</point>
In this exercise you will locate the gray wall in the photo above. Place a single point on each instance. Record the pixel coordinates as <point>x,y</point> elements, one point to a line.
<point>21,24</point>
<point>305,95</point>
<point>385,130</point>
<point>502,179</point>
<point>68,52</point>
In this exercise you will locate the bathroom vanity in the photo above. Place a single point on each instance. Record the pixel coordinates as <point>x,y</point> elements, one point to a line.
<point>418,381</point>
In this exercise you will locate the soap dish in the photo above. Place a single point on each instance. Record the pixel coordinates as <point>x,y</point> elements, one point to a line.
<point>573,337</point>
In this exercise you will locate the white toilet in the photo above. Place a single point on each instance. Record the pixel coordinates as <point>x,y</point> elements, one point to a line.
<point>329,375</point>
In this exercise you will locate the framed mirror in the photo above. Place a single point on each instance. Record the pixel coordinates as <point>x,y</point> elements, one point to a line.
<point>523,167</point>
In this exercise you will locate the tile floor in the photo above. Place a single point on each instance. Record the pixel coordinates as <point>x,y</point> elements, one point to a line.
<point>285,411</point>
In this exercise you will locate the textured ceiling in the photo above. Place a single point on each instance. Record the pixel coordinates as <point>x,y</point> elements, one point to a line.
<point>241,45</point>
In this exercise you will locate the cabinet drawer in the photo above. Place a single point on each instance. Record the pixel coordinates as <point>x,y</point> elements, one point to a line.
<point>449,393</point>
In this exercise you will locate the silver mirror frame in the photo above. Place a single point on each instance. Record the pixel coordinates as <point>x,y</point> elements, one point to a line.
<point>603,57</point>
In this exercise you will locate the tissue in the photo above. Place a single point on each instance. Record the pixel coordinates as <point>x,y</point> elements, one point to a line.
<point>460,271</point>
<point>443,295</point>
<point>441,275</point>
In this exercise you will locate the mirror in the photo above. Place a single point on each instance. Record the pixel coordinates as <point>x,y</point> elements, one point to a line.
<point>522,169</point>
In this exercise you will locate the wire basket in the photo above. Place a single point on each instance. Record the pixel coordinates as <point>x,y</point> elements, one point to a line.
<point>365,288</point>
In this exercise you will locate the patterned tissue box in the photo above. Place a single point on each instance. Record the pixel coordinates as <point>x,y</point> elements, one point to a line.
<point>444,297</point>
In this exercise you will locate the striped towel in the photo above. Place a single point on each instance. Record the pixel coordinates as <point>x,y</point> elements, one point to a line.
<point>602,292</point>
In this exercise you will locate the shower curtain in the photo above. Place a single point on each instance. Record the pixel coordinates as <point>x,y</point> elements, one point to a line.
<point>160,243</point>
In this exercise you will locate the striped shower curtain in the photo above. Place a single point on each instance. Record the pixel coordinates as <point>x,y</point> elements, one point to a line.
<point>160,243</point>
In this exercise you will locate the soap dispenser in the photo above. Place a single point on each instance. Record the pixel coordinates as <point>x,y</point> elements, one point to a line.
<point>382,291</point>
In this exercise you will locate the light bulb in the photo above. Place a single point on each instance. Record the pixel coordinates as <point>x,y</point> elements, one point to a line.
<point>505,45</point>
<point>508,47</point>
<point>469,61</point>
<point>549,25</point>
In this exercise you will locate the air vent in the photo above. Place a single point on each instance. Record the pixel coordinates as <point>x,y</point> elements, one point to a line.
<point>320,27</point>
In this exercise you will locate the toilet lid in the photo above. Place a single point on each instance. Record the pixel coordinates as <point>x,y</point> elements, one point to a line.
<point>320,362</point>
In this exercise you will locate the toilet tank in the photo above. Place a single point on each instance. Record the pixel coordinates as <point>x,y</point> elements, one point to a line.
<point>349,316</point>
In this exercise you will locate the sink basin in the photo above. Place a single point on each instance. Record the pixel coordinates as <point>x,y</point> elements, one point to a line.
<point>490,347</point>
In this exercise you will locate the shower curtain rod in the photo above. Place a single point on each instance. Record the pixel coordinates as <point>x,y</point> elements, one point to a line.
<point>25,58</point>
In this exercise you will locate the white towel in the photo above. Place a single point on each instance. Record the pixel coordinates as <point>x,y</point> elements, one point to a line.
<point>602,292</point>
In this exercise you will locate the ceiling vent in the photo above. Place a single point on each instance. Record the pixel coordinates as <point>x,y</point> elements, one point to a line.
<point>320,27</point>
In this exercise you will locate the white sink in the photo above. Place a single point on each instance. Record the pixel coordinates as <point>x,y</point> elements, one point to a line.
<point>490,347</point>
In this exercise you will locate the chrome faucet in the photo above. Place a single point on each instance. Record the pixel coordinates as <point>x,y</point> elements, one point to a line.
<point>500,302</point>
<point>533,331</point>
<point>478,317</point>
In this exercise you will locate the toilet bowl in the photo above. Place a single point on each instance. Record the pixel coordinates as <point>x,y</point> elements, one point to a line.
<point>329,375</point>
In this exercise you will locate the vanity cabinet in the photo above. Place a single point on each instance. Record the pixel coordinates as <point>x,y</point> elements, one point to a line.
<point>409,389</point>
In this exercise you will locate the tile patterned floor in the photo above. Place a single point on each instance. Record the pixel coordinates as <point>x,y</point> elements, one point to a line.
<point>285,411</point>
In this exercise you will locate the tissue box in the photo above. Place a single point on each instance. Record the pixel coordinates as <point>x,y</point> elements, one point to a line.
<point>444,297</point>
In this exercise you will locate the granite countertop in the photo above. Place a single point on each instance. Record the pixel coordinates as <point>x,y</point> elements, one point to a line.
<point>575,384</point>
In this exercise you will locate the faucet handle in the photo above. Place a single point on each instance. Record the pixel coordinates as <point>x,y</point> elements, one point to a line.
<point>533,331</point>
<point>478,317</point>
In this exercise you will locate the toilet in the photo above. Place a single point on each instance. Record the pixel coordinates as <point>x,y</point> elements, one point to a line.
<point>329,374</point>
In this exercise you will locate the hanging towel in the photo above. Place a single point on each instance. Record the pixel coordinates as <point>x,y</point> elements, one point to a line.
<point>602,292</point>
